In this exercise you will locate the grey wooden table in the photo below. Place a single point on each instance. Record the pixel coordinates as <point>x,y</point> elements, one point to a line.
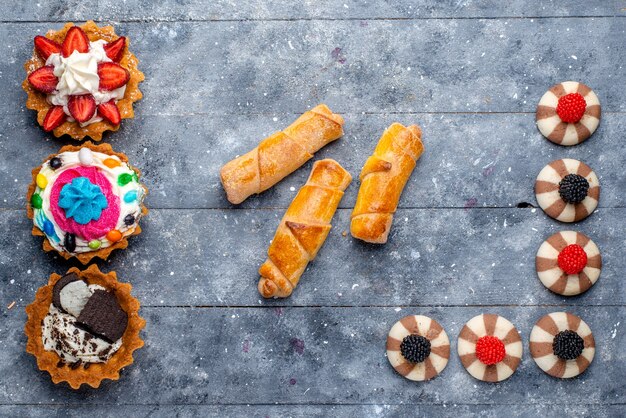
<point>221,75</point>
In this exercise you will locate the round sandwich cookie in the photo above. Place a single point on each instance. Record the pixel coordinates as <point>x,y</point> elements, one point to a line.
<point>82,80</point>
<point>567,190</point>
<point>562,345</point>
<point>83,327</point>
<point>568,263</point>
<point>86,201</point>
<point>418,347</point>
<point>490,347</point>
<point>568,113</point>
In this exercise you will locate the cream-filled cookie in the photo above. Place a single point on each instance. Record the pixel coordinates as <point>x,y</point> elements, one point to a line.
<point>490,347</point>
<point>418,347</point>
<point>568,113</point>
<point>562,345</point>
<point>568,263</point>
<point>567,190</point>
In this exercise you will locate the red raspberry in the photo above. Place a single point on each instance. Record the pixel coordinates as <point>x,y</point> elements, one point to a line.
<point>490,350</point>
<point>573,259</point>
<point>571,107</point>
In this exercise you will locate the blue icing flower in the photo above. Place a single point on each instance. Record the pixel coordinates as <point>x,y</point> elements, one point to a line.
<point>82,200</point>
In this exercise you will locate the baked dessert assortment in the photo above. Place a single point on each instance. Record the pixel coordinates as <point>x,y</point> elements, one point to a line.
<point>303,229</point>
<point>562,345</point>
<point>86,201</point>
<point>418,347</point>
<point>490,347</point>
<point>82,81</point>
<point>383,178</point>
<point>567,190</point>
<point>280,154</point>
<point>568,263</point>
<point>83,327</point>
<point>568,113</point>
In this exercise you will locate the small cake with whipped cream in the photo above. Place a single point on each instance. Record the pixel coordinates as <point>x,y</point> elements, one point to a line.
<point>86,201</point>
<point>83,327</point>
<point>82,81</point>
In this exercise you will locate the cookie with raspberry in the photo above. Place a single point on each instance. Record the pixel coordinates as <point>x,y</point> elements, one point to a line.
<point>562,345</point>
<point>568,263</point>
<point>567,190</point>
<point>568,113</point>
<point>490,347</point>
<point>418,347</point>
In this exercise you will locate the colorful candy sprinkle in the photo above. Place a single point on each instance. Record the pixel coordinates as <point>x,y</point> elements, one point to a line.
<point>69,242</point>
<point>94,244</point>
<point>48,227</point>
<point>85,156</point>
<point>124,179</point>
<point>41,181</point>
<point>36,201</point>
<point>130,196</point>
<point>111,162</point>
<point>129,219</point>
<point>55,163</point>
<point>114,235</point>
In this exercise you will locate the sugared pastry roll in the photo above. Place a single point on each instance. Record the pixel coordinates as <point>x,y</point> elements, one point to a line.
<point>562,345</point>
<point>568,263</point>
<point>83,327</point>
<point>280,154</point>
<point>490,347</point>
<point>567,190</point>
<point>418,347</point>
<point>303,229</point>
<point>383,178</point>
<point>86,201</point>
<point>568,113</point>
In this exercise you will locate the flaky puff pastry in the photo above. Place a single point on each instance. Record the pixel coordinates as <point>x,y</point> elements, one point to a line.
<point>280,154</point>
<point>92,376</point>
<point>383,178</point>
<point>303,229</point>
<point>38,100</point>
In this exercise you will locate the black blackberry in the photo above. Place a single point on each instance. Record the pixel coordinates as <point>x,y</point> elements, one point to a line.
<point>573,188</point>
<point>567,345</point>
<point>415,348</point>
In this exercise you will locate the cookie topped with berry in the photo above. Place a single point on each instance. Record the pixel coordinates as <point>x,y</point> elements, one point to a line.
<point>567,190</point>
<point>562,345</point>
<point>418,347</point>
<point>568,263</point>
<point>82,81</point>
<point>490,347</point>
<point>568,113</point>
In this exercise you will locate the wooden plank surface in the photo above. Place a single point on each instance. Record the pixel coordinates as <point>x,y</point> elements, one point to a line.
<point>222,75</point>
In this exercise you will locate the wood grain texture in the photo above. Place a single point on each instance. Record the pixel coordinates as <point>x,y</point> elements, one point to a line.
<point>222,74</point>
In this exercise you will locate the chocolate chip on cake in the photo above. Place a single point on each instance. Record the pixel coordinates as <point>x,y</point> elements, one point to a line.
<point>103,316</point>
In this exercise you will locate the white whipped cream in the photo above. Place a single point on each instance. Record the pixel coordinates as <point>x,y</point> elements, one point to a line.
<point>78,74</point>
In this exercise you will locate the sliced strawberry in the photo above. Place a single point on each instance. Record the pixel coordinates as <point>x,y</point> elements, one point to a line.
<point>115,49</point>
<point>110,112</point>
<point>54,118</point>
<point>82,108</point>
<point>75,40</point>
<point>43,79</point>
<point>46,47</point>
<point>112,75</point>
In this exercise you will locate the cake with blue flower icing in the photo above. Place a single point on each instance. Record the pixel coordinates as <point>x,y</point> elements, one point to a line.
<point>86,201</point>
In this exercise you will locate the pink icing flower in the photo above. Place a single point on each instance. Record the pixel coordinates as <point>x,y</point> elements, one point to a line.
<point>93,229</point>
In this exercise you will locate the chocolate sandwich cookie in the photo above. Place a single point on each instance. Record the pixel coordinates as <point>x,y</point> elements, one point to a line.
<point>567,190</point>
<point>562,345</point>
<point>83,327</point>
<point>418,347</point>
<point>490,347</point>
<point>568,263</point>
<point>568,113</point>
